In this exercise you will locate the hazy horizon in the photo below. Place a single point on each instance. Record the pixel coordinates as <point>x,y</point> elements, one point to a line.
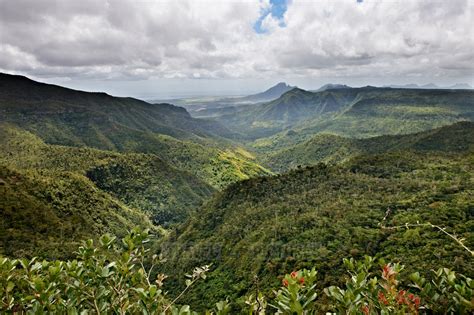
<point>173,49</point>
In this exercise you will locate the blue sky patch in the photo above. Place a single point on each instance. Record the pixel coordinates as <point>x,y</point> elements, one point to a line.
<point>277,10</point>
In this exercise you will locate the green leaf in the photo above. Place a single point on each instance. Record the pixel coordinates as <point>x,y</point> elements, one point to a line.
<point>10,286</point>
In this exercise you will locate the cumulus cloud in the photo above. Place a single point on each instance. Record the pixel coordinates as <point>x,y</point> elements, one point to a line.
<point>139,39</point>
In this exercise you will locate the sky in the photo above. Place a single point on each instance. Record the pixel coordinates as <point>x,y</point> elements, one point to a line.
<point>156,49</point>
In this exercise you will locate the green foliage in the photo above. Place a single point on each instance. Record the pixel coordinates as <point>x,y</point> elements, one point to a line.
<point>46,214</point>
<point>54,195</point>
<point>103,278</point>
<point>141,181</point>
<point>298,292</point>
<point>355,113</point>
<point>446,292</point>
<point>74,165</point>
<point>121,278</point>
<point>365,293</point>
<point>316,216</point>
<point>69,189</point>
<point>67,117</point>
<point>147,183</point>
<point>335,149</point>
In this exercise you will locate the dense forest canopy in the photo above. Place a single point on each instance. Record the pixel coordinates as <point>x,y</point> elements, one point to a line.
<point>309,181</point>
<point>315,216</point>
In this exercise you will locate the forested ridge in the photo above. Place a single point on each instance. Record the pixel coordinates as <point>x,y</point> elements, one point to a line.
<point>95,163</point>
<point>315,216</point>
<point>68,117</point>
<point>332,149</point>
<point>351,112</point>
<point>305,204</point>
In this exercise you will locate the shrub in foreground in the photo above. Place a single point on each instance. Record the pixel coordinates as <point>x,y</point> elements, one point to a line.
<point>120,278</point>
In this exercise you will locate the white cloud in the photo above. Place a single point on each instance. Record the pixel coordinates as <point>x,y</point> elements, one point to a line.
<point>215,39</point>
<point>374,34</point>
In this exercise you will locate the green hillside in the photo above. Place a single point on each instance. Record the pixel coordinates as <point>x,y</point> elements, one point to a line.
<point>46,213</point>
<point>329,148</point>
<point>120,161</point>
<point>97,120</point>
<point>142,181</point>
<point>74,165</point>
<point>315,216</point>
<point>57,194</point>
<point>351,112</point>
<point>64,116</point>
<point>378,111</point>
<point>293,107</point>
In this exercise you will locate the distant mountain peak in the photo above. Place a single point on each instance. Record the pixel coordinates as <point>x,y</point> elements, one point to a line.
<point>272,93</point>
<point>332,86</point>
<point>280,85</point>
<point>458,86</point>
<point>430,86</point>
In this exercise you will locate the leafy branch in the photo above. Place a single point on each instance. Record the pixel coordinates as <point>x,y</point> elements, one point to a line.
<point>458,240</point>
<point>198,273</point>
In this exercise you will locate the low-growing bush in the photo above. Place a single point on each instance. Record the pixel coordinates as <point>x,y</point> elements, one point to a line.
<point>111,277</point>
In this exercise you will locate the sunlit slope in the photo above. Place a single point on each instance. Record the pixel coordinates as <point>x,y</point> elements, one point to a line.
<point>143,181</point>
<point>333,149</point>
<point>314,217</point>
<point>352,112</point>
<point>74,118</point>
<point>48,213</point>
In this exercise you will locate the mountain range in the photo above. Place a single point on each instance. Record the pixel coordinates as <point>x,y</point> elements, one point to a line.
<point>457,86</point>
<point>331,86</point>
<point>74,118</point>
<point>314,216</point>
<point>354,112</point>
<point>96,114</point>
<point>95,163</point>
<point>333,149</point>
<point>288,179</point>
<point>204,107</point>
<point>211,107</point>
<point>268,95</point>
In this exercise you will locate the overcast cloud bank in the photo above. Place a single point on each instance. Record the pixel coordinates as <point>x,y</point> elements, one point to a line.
<point>195,39</point>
